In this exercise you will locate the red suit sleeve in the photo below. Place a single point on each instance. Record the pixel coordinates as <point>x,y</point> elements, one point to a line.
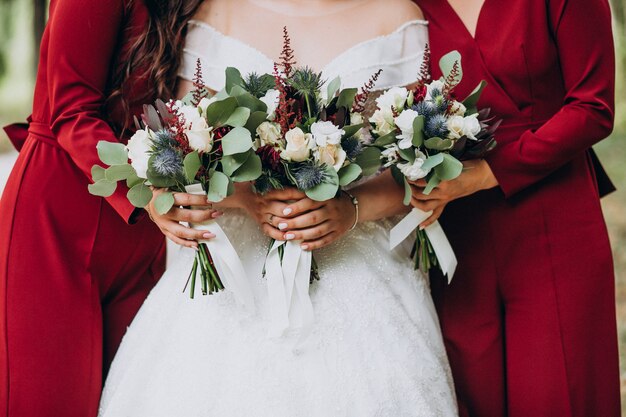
<point>84,36</point>
<point>583,36</point>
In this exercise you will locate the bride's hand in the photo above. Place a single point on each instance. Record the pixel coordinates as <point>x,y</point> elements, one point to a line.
<point>169,222</point>
<point>317,224</point>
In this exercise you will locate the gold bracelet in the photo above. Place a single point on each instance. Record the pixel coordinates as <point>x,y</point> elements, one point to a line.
<point>355,203</point>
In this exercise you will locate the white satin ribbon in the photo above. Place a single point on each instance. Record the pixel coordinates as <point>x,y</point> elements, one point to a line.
<point>438,240</point>
<point>227,262</point>
<point>288,289</point>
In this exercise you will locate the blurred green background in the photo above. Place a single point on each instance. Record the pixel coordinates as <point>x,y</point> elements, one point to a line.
<point>22,21</point>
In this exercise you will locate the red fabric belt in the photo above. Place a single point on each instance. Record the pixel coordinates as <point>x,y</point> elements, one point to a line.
<point>19,132</point>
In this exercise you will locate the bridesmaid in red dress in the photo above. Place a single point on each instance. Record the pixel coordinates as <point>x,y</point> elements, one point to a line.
<point>73,271</point>
<point>529,318</point>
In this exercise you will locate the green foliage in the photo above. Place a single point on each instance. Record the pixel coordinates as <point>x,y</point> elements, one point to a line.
<point>112,153</point>
<point>140,195</point>
<point>237,141</point>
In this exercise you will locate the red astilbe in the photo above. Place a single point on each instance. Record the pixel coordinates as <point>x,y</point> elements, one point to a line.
<point>286,117</point>
<point>177,125</point>
<point>424,76</point>
<point>287,55</point>
<point>200,90</point>
<point>361,99</point>
<point>451,80</point>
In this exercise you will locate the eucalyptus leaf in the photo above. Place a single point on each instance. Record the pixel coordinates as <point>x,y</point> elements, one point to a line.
<point>140,195</point>
<point>191,165</point>
<point>238,140</point>
<point>230,163</point>
<point>255,120</point>
<point>164,202</point>
<point>239,118</point>
<point>407,154</point>
<point>471,101</point>
<point>233,78</point>
<point>333,87</point>
<point>250,170</point>
<point>218,112</point>
<point>432,183</point>
<point>218,187</point>
<point>133,180</point>
<point>346,97</point>
<point>351,130</point>
<point>119,172</point>
<point>112,153</point>
<point>369,160</point>
<point>447,62</point>
<point>418,131</point>
<point>438,144</point>
<point>349,174</point>
<point>432,162</point>
<point>408,192</point>
<point>249,101</point>
<point>102,188</point>
<point>326,190</point>
<point>385,140</point>
<point>449,169</point>
<point>97,173</point>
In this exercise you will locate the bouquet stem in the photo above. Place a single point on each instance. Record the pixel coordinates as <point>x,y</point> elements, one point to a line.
<point>210,281</point>
<point>423,253</point>
<point>315,276</point>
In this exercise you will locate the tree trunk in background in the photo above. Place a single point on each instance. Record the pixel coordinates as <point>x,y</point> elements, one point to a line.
<point>39,23</point>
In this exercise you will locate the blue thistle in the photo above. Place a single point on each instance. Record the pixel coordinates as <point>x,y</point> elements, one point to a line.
<point>436,126</point>
<point>352,146</point>
<point>309,175</point>
<point>162,140</point>
<point>425,108</point>
<point>168,163</point>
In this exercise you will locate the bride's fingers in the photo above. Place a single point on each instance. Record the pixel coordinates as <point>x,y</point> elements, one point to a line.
<point>418,194</point>
<point>181,242</point>
<point>288,193</point>
<point>426,205</point>
<point>310,234</point>
<point>302,206</point>
<point>304,221</point>
<point>320,243</point>
<point>272,232</point>
<point>184,232</point>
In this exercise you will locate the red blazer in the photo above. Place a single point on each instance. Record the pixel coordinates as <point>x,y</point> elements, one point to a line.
<point>73,80</point>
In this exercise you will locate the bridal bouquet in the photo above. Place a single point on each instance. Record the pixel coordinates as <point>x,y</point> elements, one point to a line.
<point>312,138</point>
<point>199,145</point>
<point>426,133</point>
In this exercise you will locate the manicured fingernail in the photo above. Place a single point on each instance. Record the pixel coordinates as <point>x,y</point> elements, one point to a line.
<point>305,247</point>
<point>195,248</point>
<point>290,236</point>
<point>282,226</point>
<point>217,214</point>
<point>208,235</point>
<point>422,227</point>
<point>287,211</point>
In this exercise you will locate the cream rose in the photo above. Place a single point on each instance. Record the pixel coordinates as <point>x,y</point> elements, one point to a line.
<point>455,126</point>
<point>394,97</point>
<point>269,133</point>
<point>471,126</point>
<point>139,152</point>
<point>298,147</point>
<point>331,155</point>
<point>414,171</point>
<point>383,122</point>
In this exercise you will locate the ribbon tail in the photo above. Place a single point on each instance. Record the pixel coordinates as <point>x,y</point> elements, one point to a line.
<point>406,226</point>
<point>277,295</point>
<point>298,271</point>
<point>443,249</point>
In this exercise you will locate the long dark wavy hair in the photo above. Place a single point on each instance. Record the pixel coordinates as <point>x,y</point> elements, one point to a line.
<point>154,56</point>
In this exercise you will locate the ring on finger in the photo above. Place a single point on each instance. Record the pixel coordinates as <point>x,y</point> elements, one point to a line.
<point>271,218</point>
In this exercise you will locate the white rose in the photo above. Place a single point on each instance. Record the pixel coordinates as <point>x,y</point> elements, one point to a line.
<point>390,154</point>
<point>200,136</point>
<point>298,147</point>
<point>206,102</point>
<point>326,133</point>
<point>435,85</point>
<point>331,155</point>
<point>383,122</point>
<point>394,97</point>
<point>471,126</point>
<point>271,99</point>
<point>414,171</point>
<point>139,152</point>
<point>457,109</point>
<point>269,133</point>
<point>190,113</point>
<point>455,125</point>
<point>405,122</point>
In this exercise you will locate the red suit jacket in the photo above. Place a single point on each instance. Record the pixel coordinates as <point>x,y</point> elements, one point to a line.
<point>529,318</point>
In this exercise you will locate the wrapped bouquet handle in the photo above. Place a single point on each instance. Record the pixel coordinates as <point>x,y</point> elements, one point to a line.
<point>438,240</point>
<point>288,273</point>
<point>225,258</point>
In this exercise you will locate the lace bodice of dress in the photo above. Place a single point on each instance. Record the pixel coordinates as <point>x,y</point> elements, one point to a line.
<point>399,54</point>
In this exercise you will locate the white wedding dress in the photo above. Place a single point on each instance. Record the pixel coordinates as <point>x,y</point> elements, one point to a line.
<point>375,348</point>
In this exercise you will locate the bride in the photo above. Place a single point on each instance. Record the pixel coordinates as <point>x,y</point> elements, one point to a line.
<point>376,347</point>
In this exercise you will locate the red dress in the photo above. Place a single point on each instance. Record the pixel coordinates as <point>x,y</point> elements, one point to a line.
<point>529,319</point>
<point>73,272</point>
